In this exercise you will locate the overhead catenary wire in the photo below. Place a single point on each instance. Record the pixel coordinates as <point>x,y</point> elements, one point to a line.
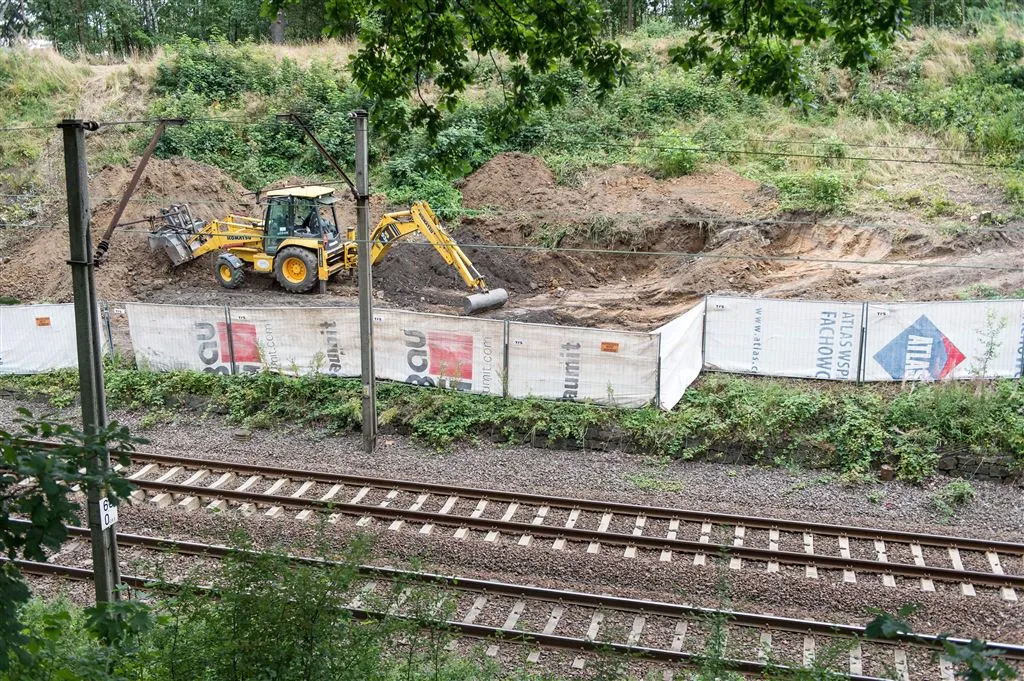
<point>857,145</point>
<point>638,145</point>
<point>693,255</point>
<point>21,128</point>
<point>786,154</point>
<point>577,216</point>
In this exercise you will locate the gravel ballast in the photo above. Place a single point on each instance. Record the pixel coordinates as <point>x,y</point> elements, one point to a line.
<point>785,493</point>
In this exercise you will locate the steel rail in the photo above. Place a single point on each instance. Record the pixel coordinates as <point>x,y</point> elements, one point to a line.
<point>675,610</point>
<point>584,535</point>
<point>469,630</point>
<point>661,512</point>
<point>598,506</point>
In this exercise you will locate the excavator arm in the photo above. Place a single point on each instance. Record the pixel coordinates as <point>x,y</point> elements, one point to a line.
<point>421,218</point>
<point>234,231</point>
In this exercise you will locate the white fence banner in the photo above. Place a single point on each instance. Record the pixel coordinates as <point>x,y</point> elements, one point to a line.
<point>37,338</point>
<point>681,354</point>
<point>796,338</point>
<point>568,363</point>
<point>172,337</point>
<point>296,340</point>
<point>937,340</point>
<point>437,350</point>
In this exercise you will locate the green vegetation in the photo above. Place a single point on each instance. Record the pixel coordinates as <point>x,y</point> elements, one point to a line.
<point>35,91</point>
<point>849,429</point>
<point>271,619</point>
<point>650,483</point>
<point>953,496</point>
<point>49,504</point>
<point>956,90</point>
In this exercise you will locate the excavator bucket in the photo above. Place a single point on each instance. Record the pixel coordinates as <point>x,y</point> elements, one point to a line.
<point>171,237</point>
<point>478,302</point>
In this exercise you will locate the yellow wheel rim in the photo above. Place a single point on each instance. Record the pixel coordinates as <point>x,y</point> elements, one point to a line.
<point>225,272</point>
<point>294,270</point>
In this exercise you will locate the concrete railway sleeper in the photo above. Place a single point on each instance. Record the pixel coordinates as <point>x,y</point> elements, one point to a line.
<point>525,518</point>
<point>666,635</point>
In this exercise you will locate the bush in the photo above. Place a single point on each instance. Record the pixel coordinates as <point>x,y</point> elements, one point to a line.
<point>824,191</point>
<point>955,495</point>
<point>848,428</point>
<point>676,162</point>
<point>217,71</point>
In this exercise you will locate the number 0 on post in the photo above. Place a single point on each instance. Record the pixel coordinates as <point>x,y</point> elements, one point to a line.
<point>108,513</point>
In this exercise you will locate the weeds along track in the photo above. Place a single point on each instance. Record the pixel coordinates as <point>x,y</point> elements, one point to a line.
<point>662,635</point>
<point>816,550</point>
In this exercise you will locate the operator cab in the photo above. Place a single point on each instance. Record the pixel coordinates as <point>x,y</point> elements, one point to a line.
<point>300,212</point>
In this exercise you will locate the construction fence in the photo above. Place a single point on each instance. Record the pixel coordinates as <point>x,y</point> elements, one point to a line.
<point>826,340</point>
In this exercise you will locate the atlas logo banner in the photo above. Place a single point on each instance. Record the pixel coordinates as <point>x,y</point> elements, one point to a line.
<point>920,353</point>
<point>440,358</point>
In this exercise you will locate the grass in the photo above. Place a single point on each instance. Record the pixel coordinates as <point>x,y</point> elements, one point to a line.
<point>648,483</point>
<point>36,90</point>
<point>850,430</point>
<point>953,496</point>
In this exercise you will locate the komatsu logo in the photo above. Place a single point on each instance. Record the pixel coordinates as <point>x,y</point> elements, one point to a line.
<point>440,358</point>
<point>920,353</point>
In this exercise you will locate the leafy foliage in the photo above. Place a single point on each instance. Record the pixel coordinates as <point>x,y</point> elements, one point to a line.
<point>403,48</point>
<point>973,661</point>
<point>762,44</point>
<point>47,503</point>
<point>953,496</point>
<point>848,428</point>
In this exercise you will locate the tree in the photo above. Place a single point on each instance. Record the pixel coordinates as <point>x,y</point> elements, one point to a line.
<point>404,46</point>
<point>47,502</point>
<point>761,43</point>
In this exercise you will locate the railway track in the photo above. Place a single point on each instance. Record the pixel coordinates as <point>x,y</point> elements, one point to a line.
<point>846,553</point>
<point>666,635</point>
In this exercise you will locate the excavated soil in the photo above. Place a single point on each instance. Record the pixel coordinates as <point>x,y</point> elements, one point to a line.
<point>38,271</point>
<point>634,251</point>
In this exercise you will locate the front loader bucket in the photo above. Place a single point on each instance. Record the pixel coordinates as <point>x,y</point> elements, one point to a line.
<point>478,302</point>
<point>172,244</point>
<point>171,238</point>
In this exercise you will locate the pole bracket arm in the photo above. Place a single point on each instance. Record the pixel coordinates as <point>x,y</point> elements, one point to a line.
<point>292,117</point>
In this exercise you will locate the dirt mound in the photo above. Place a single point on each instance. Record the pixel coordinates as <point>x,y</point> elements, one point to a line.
<point>507,181</point>
<point>37,270</point>
<point>578,243</point>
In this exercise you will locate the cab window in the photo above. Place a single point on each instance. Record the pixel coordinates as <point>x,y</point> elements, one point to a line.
<point>306,219</point>
<point>277,219</point>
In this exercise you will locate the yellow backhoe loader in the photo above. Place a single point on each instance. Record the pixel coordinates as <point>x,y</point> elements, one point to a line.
<point>299,242</point>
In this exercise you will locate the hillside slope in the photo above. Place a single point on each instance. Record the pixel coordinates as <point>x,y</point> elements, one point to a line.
<point>620,212</point>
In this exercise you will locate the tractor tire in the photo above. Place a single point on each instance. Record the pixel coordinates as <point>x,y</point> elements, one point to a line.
<point>295,269</point>
<point>229,274</point>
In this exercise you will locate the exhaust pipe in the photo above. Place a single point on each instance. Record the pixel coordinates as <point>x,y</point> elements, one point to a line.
<point>479,302</point>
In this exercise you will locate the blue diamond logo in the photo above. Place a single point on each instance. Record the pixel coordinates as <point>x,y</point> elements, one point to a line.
<point>920,353</point>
